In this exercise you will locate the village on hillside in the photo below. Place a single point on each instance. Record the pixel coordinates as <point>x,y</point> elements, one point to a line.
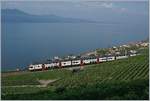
<point>126,49</point>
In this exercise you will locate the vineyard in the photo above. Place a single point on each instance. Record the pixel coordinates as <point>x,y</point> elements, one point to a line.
<point>120,79</point>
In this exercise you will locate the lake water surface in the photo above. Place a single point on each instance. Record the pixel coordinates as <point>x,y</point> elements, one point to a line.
<point>24,43</point>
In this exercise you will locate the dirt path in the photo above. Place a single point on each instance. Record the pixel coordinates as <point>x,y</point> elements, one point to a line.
<point>46,82</point>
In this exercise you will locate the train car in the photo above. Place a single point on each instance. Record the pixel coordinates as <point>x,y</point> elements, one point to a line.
<point>56,64</point>
<point>49,66</point>
<point>86,61</point>
<point>94,60</point>
<point>36,67</point>
<point>65,63</point>
<point>89,60</point>
<point>110,58</point>
<point>31,68</point>
<point>121,57</point>
<point>133,54</point>
<point>76,62</point>
<point>102,59</point>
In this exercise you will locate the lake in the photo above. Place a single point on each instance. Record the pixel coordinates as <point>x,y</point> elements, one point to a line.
<point>25,43</point>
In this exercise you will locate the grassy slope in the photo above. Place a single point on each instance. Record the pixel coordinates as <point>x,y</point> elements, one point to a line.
<point>121,79</point>
<point>30,78</point>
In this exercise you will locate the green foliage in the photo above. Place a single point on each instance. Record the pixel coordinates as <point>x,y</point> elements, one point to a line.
<point>30,78</point>
<point>124,79</point>
<point>102,51</point>
<point>134,90</point>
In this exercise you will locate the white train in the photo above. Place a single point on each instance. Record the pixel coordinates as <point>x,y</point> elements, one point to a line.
<point>76,62</point>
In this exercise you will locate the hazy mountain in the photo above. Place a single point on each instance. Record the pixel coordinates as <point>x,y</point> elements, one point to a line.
<point>15,15</point>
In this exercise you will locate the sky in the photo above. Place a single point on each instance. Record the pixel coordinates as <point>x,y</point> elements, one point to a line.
<point>93,10</point>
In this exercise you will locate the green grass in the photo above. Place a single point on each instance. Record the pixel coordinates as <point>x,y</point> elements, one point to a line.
<point>135,90</point>
<point>20,90</point>
<point>120,79</point>
<point>120,70</point>
<point>30,78</point>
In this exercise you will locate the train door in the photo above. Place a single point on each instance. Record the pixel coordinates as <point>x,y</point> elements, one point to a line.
<point>81,63</point>
<point>97,60</point>
<point>43,67</point>
<point>60,64</point>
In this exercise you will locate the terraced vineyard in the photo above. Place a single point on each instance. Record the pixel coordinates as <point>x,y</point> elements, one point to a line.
<point>121,70</point>
<point>120,79</point>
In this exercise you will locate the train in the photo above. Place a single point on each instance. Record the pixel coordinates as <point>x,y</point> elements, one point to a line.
<point>74,62</point>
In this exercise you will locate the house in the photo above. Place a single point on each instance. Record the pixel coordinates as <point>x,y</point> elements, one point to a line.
<point>87,54</point>
<point>145,44</point>
<point>117,53</point>
<point>127,46</point>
